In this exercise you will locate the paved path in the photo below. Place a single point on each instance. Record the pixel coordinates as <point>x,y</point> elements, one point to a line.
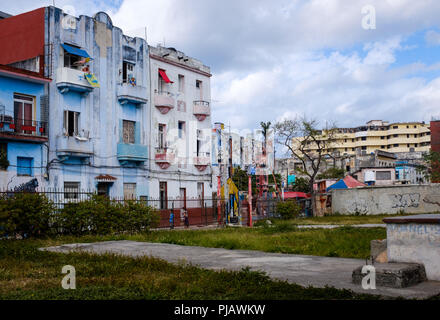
<point>300,269</point>
<point>332,226</point>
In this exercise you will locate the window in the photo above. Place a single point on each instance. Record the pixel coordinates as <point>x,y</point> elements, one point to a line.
<point>199,88</point>
<point>24,166</point>
<point>181,128</point>
<point>364,148</point>
<point>71,60</point>
<point>23,113</point>
<point>127,71</point>
<point>71,190</point>
<point>407,136</point>
<point>383,175</point>
<point>163,197</point>
<point>128,131</point>
<point>129,191</point>
<point>396,145</point>
<point>181,83</point>
<point>382,147</point>
<point>382,137</point>
<point>71,120</point>
<point>199,142</point>
<point>395,127</point>
<point>395,135</point>
<point>161,136</point>
<point>352,140</point>
<point>364,138</point>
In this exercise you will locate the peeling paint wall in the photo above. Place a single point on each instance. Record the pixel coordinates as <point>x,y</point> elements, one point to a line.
<point>101,112</point>
<point>387,200</point>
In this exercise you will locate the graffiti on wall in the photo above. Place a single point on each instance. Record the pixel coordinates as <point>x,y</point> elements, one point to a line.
<point>432,199</point>
<point>359,207</point>
<point>405,200</point>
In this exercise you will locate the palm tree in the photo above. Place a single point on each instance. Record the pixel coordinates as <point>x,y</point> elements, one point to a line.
<point>265,126</point>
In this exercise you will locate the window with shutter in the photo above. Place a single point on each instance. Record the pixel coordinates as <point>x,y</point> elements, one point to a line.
<point>128,131</point>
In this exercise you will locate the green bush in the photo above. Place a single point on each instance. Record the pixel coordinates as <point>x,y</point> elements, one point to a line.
<point>288,209</point>
<point>100,215</point>
<point>25,214</point>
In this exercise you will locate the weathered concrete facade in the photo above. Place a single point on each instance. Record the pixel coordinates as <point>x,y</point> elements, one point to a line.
<point>98,144</point>
<point>180,120</point>
<point>415,239</point>
<point>387,200</point>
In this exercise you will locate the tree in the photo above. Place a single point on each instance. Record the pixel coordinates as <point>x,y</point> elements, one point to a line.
<point>240,179</point>
<point>265,126</point>
<point>332,173</point>
<point>431,169</point>
<point>306,143</point>
<point>301,185</point>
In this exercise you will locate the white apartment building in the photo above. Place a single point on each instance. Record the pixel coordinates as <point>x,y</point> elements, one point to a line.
<point>180,135</point>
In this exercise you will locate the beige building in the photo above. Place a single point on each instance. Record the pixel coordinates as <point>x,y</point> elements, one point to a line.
<point>381,135</point>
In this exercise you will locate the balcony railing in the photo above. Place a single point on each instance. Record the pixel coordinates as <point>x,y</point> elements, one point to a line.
<point>201,109</point>
<point>132,152</point>
<point>69,79</point>
<point>164,157</point>
<point>74,146</point>
<point>23,127</point>
<point>164,101</point>
<point>202,160</point>
<point>128,93</point>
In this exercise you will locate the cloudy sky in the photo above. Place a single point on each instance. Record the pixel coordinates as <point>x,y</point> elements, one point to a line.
<point>276,59</point>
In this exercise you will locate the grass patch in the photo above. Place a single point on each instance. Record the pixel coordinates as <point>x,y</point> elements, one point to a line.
<point>28,273</point>
<point>339,219</point>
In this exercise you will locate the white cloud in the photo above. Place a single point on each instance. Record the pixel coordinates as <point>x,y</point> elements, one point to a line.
<point>432,38</point>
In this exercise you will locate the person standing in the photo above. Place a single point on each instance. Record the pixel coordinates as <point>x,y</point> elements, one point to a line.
<point>186,218</point>
<point>171,220</point>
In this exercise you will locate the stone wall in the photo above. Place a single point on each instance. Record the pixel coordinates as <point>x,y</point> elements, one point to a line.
<point>415,239</point>
<point>387,200</point>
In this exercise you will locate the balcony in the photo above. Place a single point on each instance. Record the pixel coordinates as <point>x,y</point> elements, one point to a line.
<point>202,161</point>
<point>23,130</point>
<point>128,152</point>
<point>163,101</point>
<point>73,147</point>
<point>69,79</point>
<point>164,157</point>
<point>128,93</point>
<point>201,109</point>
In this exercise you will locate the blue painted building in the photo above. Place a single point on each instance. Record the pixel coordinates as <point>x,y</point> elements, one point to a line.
<point>98,98</point>
<point>23,127</point>
<point>98,134</point>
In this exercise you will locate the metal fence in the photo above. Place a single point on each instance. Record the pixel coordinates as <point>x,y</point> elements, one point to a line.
<point>201,211</point>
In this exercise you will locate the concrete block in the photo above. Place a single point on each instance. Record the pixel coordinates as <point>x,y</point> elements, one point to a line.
<point>378,249</point>
<point>394,275</point>
<point>415,239</point>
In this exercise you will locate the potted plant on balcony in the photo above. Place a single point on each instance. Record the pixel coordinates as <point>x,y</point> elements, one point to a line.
<point>4,162</point>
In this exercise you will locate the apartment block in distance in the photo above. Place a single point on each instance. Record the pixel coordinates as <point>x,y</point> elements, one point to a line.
<point>381,135</point>
<point>180,137</point>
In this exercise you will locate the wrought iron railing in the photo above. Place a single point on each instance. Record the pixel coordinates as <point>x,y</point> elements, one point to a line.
<point>23,126</point>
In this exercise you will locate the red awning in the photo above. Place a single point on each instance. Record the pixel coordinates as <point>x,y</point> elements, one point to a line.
<point>293,194</point>
<point>164,76</point>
